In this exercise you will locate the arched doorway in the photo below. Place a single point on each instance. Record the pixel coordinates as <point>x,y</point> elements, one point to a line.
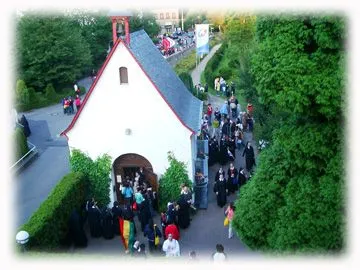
<point>127,165</point>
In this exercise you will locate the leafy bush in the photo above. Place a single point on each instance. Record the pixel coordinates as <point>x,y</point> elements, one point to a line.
<point>186,64</point>
<point>50,93</point>
<point>96,171</point>
<point>169,184</point>
<point>225,72</point>
<point>48,226</point>
<point>187,80</point>
<point>211,67</point>
<point>21,146</point>
<point>22,94</point>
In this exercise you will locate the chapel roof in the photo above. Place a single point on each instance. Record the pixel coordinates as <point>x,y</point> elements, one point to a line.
<point>186,107</point>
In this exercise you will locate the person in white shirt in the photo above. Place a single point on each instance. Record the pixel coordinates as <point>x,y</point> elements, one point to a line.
<point>171,247</point>
<point>219,255</point>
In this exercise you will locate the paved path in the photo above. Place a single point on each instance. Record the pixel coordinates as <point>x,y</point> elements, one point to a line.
<point>196,73</point>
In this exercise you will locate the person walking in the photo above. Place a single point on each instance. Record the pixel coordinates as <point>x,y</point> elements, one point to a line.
<point>224,110</point>
<point>183,211</point>
<point>117,214</point>
<point>171,247</point>
<point>173,230</point>
<point>219,255</point>
<point>77,103</point>
<point>249,157</point>
<point>217,86</point>
<point>152,232</point>
<point>233,178</point>
<point>209,113</point>
<point>76,88</point>
<point>128,193</point>
<point>220,189</point>
<point>229,212</point>
<point>95,220</point>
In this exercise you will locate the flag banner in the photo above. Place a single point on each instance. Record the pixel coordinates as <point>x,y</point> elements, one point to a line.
<point>202,38</point>
<point>127,232</point>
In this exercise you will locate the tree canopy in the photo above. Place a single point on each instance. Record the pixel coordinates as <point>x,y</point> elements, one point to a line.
<point>50,50</point>
<point>295,200</point>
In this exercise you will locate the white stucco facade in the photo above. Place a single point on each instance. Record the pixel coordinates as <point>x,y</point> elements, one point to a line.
<point>112,108</point>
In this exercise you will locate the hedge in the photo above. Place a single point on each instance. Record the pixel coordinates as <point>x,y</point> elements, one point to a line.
<point>169,184</point>
<point>48,226</point>
<point>187,80</point>
<point>97,171</point>
<point>21,146</point>
<point>213,64</point>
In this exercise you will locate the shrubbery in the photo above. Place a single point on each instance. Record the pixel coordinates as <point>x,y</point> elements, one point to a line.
<point>20,144</point>
<point>210,70</point>
<point>187,80</point>
<point>48,226</point>
<point>28,99</point>
<point>50,93</point>
<point>97,172</point>
<point>169,184</point>
<point>186,64</point>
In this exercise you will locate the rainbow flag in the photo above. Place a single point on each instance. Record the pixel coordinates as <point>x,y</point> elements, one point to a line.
<point>127,232</point>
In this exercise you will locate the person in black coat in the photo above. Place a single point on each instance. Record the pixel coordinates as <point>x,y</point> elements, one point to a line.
<point>94,218</point>
<point>23,121</point>
<point>220,189</point>
<point>76,230</point>
<point>107,224</point>
<point>249,157</point>
<point>233,178</point>
<point>225,130</point>
<point>116,213</point>
<point>183,212</point>
<point>220,171</point>
<point>212,152</point>
<point>151,231</point>
<point>171,214</point>
<point>144,213</point>
<point>223,155</point>
<point>232,145</point>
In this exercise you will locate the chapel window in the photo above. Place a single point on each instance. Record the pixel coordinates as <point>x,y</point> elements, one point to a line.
<point>123,75</point>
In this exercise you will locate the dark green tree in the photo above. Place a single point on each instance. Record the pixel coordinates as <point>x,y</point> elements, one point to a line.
<point>295,200</point>
<point>50,50</point>
<point>96,29</point>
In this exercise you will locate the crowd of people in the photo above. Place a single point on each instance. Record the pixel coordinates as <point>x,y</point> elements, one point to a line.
<point>69,102</point>
<point>139,200</point>
<point>223,88</point>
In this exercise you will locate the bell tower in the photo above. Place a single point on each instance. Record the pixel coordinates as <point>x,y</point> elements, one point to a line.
<point>120,20</point>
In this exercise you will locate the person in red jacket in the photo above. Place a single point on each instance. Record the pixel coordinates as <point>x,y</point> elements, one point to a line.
<point>209,112</point>
<point>172,229</point>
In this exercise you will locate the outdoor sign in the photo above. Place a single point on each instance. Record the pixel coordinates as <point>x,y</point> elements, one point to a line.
<point>202,38</point>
